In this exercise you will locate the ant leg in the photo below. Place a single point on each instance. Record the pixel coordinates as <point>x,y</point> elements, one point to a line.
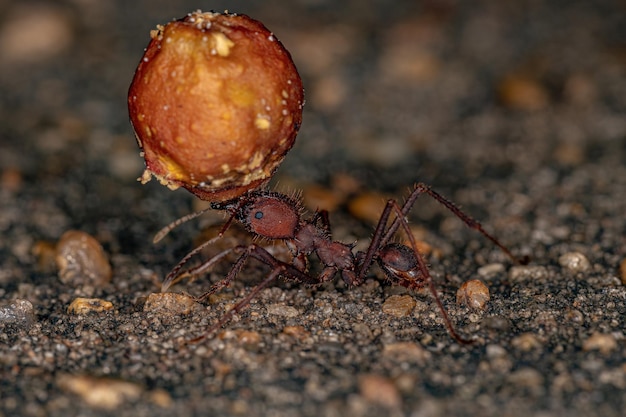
<point>377,241</point>
<point>290,271</point>
<point>422,188</point>
<point>234,271</point>
<point>239,306</point>
<point>381,237</point>
<point>278,268</point>
<point>174,275</point>
<point>421,264</point>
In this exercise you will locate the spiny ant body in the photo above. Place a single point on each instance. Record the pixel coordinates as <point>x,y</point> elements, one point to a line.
<point>275,216</point>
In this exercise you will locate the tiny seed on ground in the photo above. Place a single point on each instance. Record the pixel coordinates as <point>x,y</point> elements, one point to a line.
<point>474,294</point>
<point>82,306</point>
<point>399,305</point>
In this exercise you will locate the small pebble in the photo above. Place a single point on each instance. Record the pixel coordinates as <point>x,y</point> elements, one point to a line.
<point>424,248</point>
<point>490,270</point>
<point>221,297</point>
<point>105,393</point>
<point>46,253</point>
<point>329,92</point>
<point>526,272</point>
<point>345,184</point>
<point>239,408</point>
<point>574,262</point>
<point>602,342</point>
<point>474,294</point>
<point>18,314</point>
<point>497,323</point>
<point>527,378</point>
<point>404,62</point>
<point>526,342</point>
<point>574,315</point>
<point>161,398</point>
<point>407,352</point>
<point>379,390</point>
<point>20,43</point>
<point>282,310</point>
<point>522,93</point>
<point>399,305</point>
<point>123,162</point>
<point>249,338</point>
<point>81,260</point>
<point>546,321</point>
<point>580,89</point>
<point>367,206</point>
<point>570,154</point>
<point>11,179</point>
<point>622,271</point>
<point>220,368</point>
<point>406,383</point>
<point>297,332</point>
<point>170,303</point>
<point>316,197</point>
<point>89,305</point>
<point>495,351</point>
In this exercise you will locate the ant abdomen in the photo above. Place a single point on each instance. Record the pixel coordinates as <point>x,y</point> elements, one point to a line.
<point>397,257</point>
<point>400,265</point>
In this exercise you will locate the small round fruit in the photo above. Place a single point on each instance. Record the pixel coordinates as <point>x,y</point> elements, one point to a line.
<point>216,103</point>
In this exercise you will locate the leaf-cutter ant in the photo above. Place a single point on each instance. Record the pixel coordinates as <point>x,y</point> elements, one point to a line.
<point>275,216</point>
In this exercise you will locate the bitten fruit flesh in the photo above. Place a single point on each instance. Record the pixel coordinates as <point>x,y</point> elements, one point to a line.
<point>216,103</point>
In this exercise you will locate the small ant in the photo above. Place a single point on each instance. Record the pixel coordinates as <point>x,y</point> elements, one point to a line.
<point>275,216</point>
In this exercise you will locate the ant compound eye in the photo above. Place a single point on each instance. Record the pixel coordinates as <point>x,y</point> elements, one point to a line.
<point>272,218</point>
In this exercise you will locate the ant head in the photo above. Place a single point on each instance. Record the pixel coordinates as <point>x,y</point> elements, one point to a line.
<point>269,215</point>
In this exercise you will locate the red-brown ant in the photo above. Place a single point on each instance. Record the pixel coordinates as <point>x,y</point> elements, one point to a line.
<point>275,216</point>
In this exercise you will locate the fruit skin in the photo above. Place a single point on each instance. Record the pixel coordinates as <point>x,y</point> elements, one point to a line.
<point>216,103</point>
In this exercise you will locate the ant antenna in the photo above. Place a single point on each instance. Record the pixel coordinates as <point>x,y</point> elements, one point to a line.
<point>173,225</point>
<point>174,275</point>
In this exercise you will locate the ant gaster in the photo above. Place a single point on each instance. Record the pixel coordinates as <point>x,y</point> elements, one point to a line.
<point>275,216</point>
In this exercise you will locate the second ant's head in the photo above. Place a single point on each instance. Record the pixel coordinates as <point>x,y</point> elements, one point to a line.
<point>267,214</point>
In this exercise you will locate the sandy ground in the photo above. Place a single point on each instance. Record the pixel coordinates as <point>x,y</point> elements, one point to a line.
<point>514,112</point>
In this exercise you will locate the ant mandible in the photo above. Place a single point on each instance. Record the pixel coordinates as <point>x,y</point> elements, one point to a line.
<point>275,216</point>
